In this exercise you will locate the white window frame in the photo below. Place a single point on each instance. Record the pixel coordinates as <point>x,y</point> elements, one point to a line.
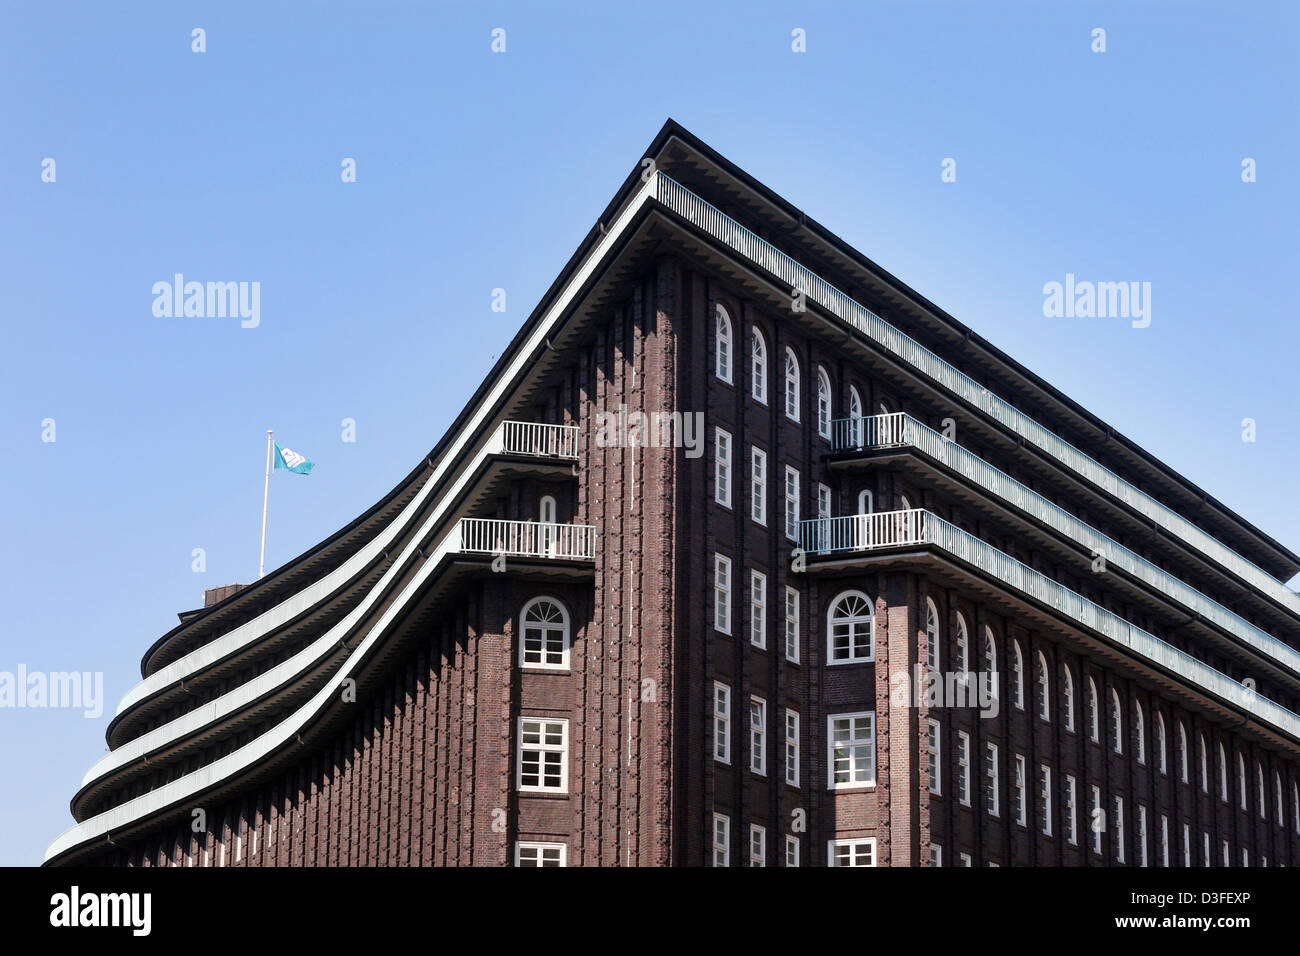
<point>721,839</point>
<point>757,845</point>
<point>540,848</point>
<point>791,747</point>
<point>1096,820</point>
<point>721,593</point>
<point>1018,675</point>
<point>723,353</point>
<point>546,629</point>
<point>963,768</point>
<point>823,403</point>
<point>1116,723</point>
<point>722,723</point>
<point>758,365</point>
<point>1021,791</point>
<point>1142,836</point>
<point>1162,754</point>
<point>931,635</point>
<point>1164,840</point>
<point>542,748</point>
<point>758,609</point>
<point>1067,696</point>
<point>1119,828</point>
<point>1094,712</point>
<point>852,622</point>
<point>792,624</point>
<point>791,850</point>
<point>758,485</point>
<point>854,848</point>
<point>866,502</point>
<point>1140,730</point>
<point>992,796</point>
<point>1071,810</point>
<point>1045,797</point>
<point>866,763</point>
<point>790,395</point>
<point>933,739</point>
<point>1184,773</point>
<point>790,497</point>
<point>962,642</point>
<point>1044,689</point>
<point>757,735</point>
<point>722,466</point>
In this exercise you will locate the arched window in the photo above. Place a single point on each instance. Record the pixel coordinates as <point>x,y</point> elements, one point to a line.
<point>866,502</point>
<point>963,646</point>
<point>823,403</point>
<point>1223,774</point>
<point>1259,790</point>
<point>722,344</point>
<point>1094,712</point>
<point>850,629</point>
<point>931,636</point>
<point>1067,696</point>
<point>758,370</point>
<point>1140,729</point>
<point>791,385</point>
<point>1205,765</point>
<point>1281,812</point>
<point>857,437</point>
<point>1161,764</point>
<point>1241,780</point>
<point>544,635</point>
<point>1044,689</point>
<point>546,510</point>
<point>1017,675</point>
<point>1182,752</point>
<point>1116,723</point>
<point>990,651</point>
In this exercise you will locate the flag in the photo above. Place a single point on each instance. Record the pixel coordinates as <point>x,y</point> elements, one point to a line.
<point>291,460</point>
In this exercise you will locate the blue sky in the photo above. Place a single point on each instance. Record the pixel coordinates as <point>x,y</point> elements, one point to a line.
<point>478,171</point>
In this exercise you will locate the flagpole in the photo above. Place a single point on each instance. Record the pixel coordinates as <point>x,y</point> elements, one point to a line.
<point>266,494</point>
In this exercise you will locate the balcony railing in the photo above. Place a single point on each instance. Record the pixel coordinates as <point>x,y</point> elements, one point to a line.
<point>716,223</point>
<point>914,526</point>
<point>900,429</point>
<point>537,439</point>
<point>527,539</point>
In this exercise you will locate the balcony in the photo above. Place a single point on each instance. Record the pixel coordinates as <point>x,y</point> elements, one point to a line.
<point>900,430</point>
<point>745,243</point>
<point>536,440</point>
<point>526,539</point>
<point>844,536</point>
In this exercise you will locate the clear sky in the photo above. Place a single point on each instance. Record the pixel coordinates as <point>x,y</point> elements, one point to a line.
<point>477,171</point>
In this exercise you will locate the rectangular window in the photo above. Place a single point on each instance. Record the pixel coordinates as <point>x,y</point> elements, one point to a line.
<point>1095,821</point>
<point>540,854</point>
<point>991,779</point>
<point>543,755</point>
<point>963,768</point>
<point>1205,848</point>
<point>1187,844</point>
<point>791,503</point>
<point>852,747</point>
<point>1045,798</point>
<point>757,845</point>
<point>758,609</point>
<point>1142,836</point>
<point>936,855</point>
<point>722,467</point>
<point>932,756</point>
<point>722,593</point>
<point>758,735</point>
<point>758,485</point>
<point>1119,829</point>
<point>1022,803</point>
<point>791,850</point>
<point>965,859</point>
<point>823,501</point>
<point>792,747</point>
<point>721,722</point>
<point>792,625</point>
<point>1227,853</point>
<point>851,853</point>
<point>1164,840</point>
<point>721,840</point>
<point>1071,810</point>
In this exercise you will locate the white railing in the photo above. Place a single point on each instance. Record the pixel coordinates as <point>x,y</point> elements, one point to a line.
<point>701,214</point>
<point>894,528</point>
<point>900,428</point>
<point>870,431</point>
<point>527,539</point>
<point>879,529</point>
<point>535,438</point>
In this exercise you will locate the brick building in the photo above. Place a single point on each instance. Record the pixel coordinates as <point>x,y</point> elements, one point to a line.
<point>858,589</point>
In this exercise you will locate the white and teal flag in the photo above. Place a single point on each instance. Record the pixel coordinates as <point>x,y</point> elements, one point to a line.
<point>290,460</point>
